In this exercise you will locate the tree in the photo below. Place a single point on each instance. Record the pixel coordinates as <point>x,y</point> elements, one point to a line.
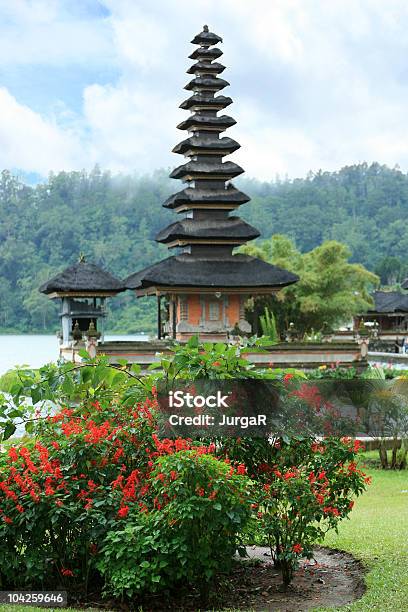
<point>390,270</point>
<point>330,290</point>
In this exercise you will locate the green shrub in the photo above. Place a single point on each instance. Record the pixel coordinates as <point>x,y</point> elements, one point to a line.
<point>200,505</point>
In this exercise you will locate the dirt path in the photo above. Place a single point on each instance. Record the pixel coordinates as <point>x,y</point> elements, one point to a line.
<point>334,578</point>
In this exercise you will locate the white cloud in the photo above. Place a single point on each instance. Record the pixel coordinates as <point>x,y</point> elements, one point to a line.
<point>315,85</point>
<point>43,32</point>
<point>130,128</point>
<point>32,143</point>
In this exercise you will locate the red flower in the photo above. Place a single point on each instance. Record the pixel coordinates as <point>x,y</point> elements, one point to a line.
<point>118,454</point>
<point>89,503</point>
<point>12,453</point>
<point>216,363</point>
<point>200,491</point>
<point>331,510</point>
<point>66,572</point>
<point>358,446</point>
<point>297,548</point>
<point>241,469</point>
<point>123,512</point>
<point>287,378</point>
<point>173,475</point>
<point>317,448</point>
<point>7,520</point>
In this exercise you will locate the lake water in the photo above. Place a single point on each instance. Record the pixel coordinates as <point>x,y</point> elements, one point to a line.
<point>36,350</point>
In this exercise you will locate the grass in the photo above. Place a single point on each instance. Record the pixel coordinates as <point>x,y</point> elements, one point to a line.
<point>377,533</point>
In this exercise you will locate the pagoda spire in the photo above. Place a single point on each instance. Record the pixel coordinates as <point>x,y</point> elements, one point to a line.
<point>205,284</point>
<point>209,196</point>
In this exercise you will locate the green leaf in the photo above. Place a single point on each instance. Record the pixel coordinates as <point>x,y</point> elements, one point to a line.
<point>29,427</point>
<point>9,429</point>
<point>193,342</point>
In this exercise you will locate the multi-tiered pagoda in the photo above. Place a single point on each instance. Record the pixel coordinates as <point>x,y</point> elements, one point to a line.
<point>205,284</point>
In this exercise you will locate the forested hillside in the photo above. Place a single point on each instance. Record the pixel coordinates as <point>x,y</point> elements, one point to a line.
<point>112,220</point>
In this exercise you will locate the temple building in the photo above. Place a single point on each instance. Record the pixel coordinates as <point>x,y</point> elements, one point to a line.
<point>390,311</point>
<point>204,285</point>
<point>82,290</point>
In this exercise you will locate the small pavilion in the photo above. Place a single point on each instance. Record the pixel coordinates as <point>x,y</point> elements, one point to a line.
<point>390,311</point>
<point>82,290</point>
<point>205,285</point>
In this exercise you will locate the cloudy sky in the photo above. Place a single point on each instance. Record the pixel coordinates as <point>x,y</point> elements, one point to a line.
<point>315,83</point>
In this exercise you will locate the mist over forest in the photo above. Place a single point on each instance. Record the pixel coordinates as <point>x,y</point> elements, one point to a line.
<point>112,220</point>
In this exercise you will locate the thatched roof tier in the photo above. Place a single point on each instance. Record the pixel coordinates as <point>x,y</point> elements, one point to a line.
<point>200,101</point>
<point>206,38</point>
<point>206,170</point>
<point>205,53</point>
<point>206,68</point>
<point>83,277</point>
<point>194,197</point>
<point>389,302</point>
<point>207,122</point>
<point>230,229</point>
<point>207,145</point>
<point>236,271</point>
<point>206,84</point>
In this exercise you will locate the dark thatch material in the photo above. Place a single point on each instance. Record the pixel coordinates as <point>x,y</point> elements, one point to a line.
<point>209,102</point>
<point>192,196</point>
<point>206,38</point>
<point>83,276</point>
<point>236,271</point>
<point>197,144</point>
<point>231,228</point>
<point>205,53</point>
<point>389,302</point>
<point>213,68</point>
<point>206,169</point>
<point>206,84</point>
<point>207,121</point>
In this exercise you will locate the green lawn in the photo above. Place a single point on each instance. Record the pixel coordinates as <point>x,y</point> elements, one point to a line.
<point>377,533</point>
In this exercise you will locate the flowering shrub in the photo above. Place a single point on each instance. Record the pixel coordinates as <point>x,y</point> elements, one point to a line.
<point>88,470</point>
<point>199,506</point>
<point>304,493</point>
